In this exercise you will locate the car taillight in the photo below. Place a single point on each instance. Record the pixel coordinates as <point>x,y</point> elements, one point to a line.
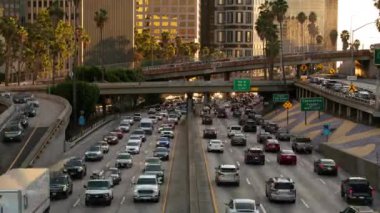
<point>372,191</point>
<point>350,191</point>
<point>321,166</point>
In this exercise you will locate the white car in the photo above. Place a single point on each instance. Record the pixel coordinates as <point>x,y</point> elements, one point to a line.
<point>135,138</point>
<point>146,188</point>
<point>235,129</point>
<point>173,118</point>
<point>124,127</point>
<point>227,173</point>
<point>153,118</point>
<point>167,133</point>
<point>242,205</point>
<point>133,147</point>
<point>215,145</point>
<point>159,116</point>
<point>104,145</point>
<point>127,119</point>
<point>164,114</point>
<point>124,160</point>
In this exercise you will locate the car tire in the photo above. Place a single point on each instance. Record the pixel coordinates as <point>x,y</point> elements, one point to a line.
<point>341,193</point>
<point>263,162</point>
<point>293,201</point>
<point>86,203</point>
<point>237,183</point>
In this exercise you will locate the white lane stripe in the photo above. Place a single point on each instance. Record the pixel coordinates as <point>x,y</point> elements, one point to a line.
<point>108,164</point>
<point>237,163</point>
<point>304,203</point>
<point>249,183</point>
<point>281,175</point>
<point>322,181</point>
<point>262,208</point>
<point>76,203</point>
<point>122,200</point>
<point>267,160</point>
<point>230,150</point>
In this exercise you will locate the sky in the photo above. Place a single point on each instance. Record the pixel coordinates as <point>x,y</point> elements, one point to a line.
<point>353,14</point>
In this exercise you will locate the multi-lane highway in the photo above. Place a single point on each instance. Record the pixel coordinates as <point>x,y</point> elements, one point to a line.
<point>314,193</point>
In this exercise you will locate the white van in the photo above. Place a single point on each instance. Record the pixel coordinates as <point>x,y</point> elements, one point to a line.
<point>147,125</point>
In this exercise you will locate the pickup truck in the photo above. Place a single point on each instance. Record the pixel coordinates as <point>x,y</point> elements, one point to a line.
<point>99,191</point>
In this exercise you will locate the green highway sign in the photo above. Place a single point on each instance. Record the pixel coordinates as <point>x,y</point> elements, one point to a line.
<point>312,104</point>
<point>280,98</point>
<point>242,85</point>
<point>377,57</point>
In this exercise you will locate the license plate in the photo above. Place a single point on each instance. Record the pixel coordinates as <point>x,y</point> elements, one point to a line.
<point>361,197</point>
<point>329,168</point>
<point>54,193</point>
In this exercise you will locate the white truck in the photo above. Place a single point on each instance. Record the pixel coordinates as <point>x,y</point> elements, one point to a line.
<point>25,191</point>
<point>147,125</point>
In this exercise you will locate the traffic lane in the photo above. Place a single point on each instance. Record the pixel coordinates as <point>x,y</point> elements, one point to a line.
<point>47,113</point>
<point>305,180</point>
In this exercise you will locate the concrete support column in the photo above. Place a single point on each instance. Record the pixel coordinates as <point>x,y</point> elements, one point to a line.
<point>227,76</point>
<point>370,119</point>
<point>339,109</point>
<point>297,93</point>
<point>326,104</point>
<point>207,98</point>
<point>302,93</point>
<point>358,115</point>
<point>333,107</point>
<point>348,112</point>
<point>207,77</point>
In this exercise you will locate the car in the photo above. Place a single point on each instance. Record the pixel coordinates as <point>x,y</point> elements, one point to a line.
<point>165,127</point>
<point>135,138</point>
<point>173,118</point>
<point>325,166</point>
<point>118,132</point>
<point>140,133</point>
<point>207,120</point>
<point>98,174</point>
<point>250,126</point>
<point>164,114</point>
<point>155,169</point>
<point>23,120</point>
<point>254,155</point>
<point>127,120</point>
<point>153,118</point>
<point>75,167</point>
<point>30,111</point>
<point>272,145</point>
<point>358,209</point>
<point>215,146</point>
<point>98,191</point>
<point>357,189</point>
<point>221,113</point>
<point>242,120</point>
<point>227,173</point>
<point>152,160</point>
<point>280,189</point>
<point>283,135</point>
<point>162,153</point>
<point>137,116</point>
<point>114,174</point>
<point>301,144</point>
<point>124,160</point>
<point>151,111</point>
<point>61,185</point>
<point>111,139</point>
<point>13,132</point>
<point>167,133</point>
<point>239,139</point>
<point>262,136</point>
<point>94,153</point>
<point>133,147</point>
<point>19,98</point>
<point>163,142</point>
<point>33,102</point>
<point>232,130</point>
<point>242,205</point>
<point>236,113</point>
<point>104,145</point>
<point>146,188</point>
<point>286,156</point>
<point>270,127</point>
<point>124,127</point>
<point>209,133</point>
<point>159,116</point>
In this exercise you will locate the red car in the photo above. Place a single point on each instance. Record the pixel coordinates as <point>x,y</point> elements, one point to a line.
<point>119,133</point>
<point>286,156</point>
<point>272,145</point>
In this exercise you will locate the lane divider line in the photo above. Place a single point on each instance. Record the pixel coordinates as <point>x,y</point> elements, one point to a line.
<point>76,203</point>
<point>238,164</point>
<point>262,208</point>
<point>322,181</point>
<point>249,183</point>
<point>122,200</point>
<point>305,204</point>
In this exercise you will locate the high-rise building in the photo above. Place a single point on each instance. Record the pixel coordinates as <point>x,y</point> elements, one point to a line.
<point>178,17</point>
<point>229,26</point>
<point>13,8</point>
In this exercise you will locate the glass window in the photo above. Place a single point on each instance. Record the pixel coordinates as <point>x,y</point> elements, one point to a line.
<point>229,36</point>
<point>248,17</point>
<point>230,1</point>
<point>239,17</point>
<point>239,1</point>
<point>229,53</point>
<point>220,18</point>
<point>238,53</point>
<point>248,52</point>
<point>230,17</point>
<point>249,2</point>
<point>220,36</point>
<point>220,2</point>
<point>238,36</point>
<point>248,36</point>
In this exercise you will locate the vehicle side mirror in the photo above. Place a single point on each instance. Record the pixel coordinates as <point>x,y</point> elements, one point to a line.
<point>85,186</point>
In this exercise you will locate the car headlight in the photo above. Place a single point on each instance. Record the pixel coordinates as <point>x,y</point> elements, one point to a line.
<point>135,191</point>
<point>79,169</point>
<point>64,188</point>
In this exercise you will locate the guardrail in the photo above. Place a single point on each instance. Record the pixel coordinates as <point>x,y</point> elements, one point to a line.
<point>59,125</point>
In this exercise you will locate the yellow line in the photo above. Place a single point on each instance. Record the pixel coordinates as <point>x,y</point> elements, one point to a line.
<point>22,149</point>
<point>170,175</point>
<point>209,179</point>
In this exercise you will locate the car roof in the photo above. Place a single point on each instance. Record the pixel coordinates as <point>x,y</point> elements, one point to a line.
<point>357,178</point>
<point>243,200</point>
<point>272,141</point>
<point>255,149</point>
<point>147,176</point>
<point>325,160</point>
<point>216,140</point>
<point>283,180</point>
<point>227,166</point>
<point>287,151</point>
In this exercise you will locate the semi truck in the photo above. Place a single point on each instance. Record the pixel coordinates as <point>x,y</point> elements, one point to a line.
<point>25,190</point>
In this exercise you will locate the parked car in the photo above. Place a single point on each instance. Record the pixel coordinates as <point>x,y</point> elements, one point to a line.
<point>254,155</point>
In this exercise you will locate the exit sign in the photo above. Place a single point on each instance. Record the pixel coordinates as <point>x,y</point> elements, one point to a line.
<point>377,57</point>
<point>242,85</point>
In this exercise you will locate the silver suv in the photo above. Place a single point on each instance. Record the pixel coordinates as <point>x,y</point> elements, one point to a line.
<point>280,189</point>
<point>227,173</point>
<point>146,188</point>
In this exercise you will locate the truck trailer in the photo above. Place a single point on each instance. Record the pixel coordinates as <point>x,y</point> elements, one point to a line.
<point>25,191</point>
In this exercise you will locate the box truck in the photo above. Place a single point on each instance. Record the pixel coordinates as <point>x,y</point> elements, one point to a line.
<point>25,191</point>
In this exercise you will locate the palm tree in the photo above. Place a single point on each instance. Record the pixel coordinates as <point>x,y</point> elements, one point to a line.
<point>312,27</point>
<point>319,40</point>
<point>345,35</point>
<point>333,37</point>
<point>301,17</point>
<point>356,44</point>
<point>279,8</point>
<point>100,18</point>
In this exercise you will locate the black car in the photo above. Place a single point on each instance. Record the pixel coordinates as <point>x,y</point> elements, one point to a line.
<point>13,132</point>
<point>270,127</point>
<point>221,113</point>
<point>301,144</point>
<point>238,140</point>
<point>76,168</point>
<point>242,121</point>
<point>111,139</point>
<point>250,126</point>
<point>357,189</point>
<point>207,120</point>
<point>19,98</point>
<point>61,185</point>
<point>236,113</point>
<point>254,155</point>
<point>30,111</point>
<point>325,166</point>
<point>262,137</point>
<point>23,120</point>
<point>210,133</point>
<point>162,153</point>
<point>114,174</point>
<point>136,117</point>
<point>283,135</point>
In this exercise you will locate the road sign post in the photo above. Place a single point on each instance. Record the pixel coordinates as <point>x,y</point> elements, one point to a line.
<point>280,98</point>
<point>287,105</point>
<point>242,85</point>
<point>311,104</point>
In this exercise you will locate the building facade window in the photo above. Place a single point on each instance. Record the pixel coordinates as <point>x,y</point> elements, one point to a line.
<point>230,17</point>
<point>230,2</point>
<point>239,36</point>
<point>248,52</point>
<point>248,18</point>
<point>239,17</point>
<point>220,2</point>
<point>239,1</point>
<point>220,36</point>
<point>220,18</point>
<point>249,2</point>
<point>248,36</point>
<point>238,53</point>
<point>229,36</point>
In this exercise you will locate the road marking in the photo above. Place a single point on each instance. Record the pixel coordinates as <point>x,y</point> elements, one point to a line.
<point>122,200</point>
<point>322,181</point>
<point>262,208</point>
<point>238,164</point>
<point>281,175</point>
<point>304,203</point>
<point>267,160</point>
<point>249,183</point>
<point>22,149</point>
<point>108,164</point>
<point>301,163</point>
<point>230,150</point>
<point>76,203</point>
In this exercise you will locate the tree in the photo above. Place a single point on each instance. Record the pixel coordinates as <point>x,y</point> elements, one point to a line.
<point>345,36</point>
<point>377,5</point>
<point>301,18</point>
<point>100,18</point>
<point>356,44</point>
<point>22,37</point>
<point>333,37</point>
<point>312,27</point>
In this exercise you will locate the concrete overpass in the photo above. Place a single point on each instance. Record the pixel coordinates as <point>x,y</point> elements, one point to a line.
<point>172,87</point>
<point>181,70</point>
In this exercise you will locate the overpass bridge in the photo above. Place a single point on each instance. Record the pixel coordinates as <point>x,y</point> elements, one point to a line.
<point>191,69</point>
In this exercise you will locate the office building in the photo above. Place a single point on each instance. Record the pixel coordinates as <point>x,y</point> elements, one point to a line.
<point>13,8</point>
<point>178,17</point>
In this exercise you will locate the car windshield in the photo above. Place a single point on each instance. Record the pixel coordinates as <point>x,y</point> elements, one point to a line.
<point>145,125</point>
<point>98,184</point>
<point>138,132</point>
<point>58,180</point>
<point>255,151</point>
<point>128,118</point>
<point>287,152</point>
<point>284,186</point>
<point>146,181</point>
<point>137,114</point>
<point>160,149</point>
<point>134,137</point>
<point>124,156</point>
<point>152,167</point>
<point>303,139</point>
<point>238,136</point>
<point>132,144</point>
<point>166,129</point>
<point>153,160</point>
<point>232,170</point>
<point>94,148</point>
<point>163,139</point>
<point>172,116</point>
<point>74,163</point>
<point>216,142</point>
<point>11,128</point>
<point>328,162</point>
<point>114,171</point>
<point>245,206</point>
<point>236,128</point>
